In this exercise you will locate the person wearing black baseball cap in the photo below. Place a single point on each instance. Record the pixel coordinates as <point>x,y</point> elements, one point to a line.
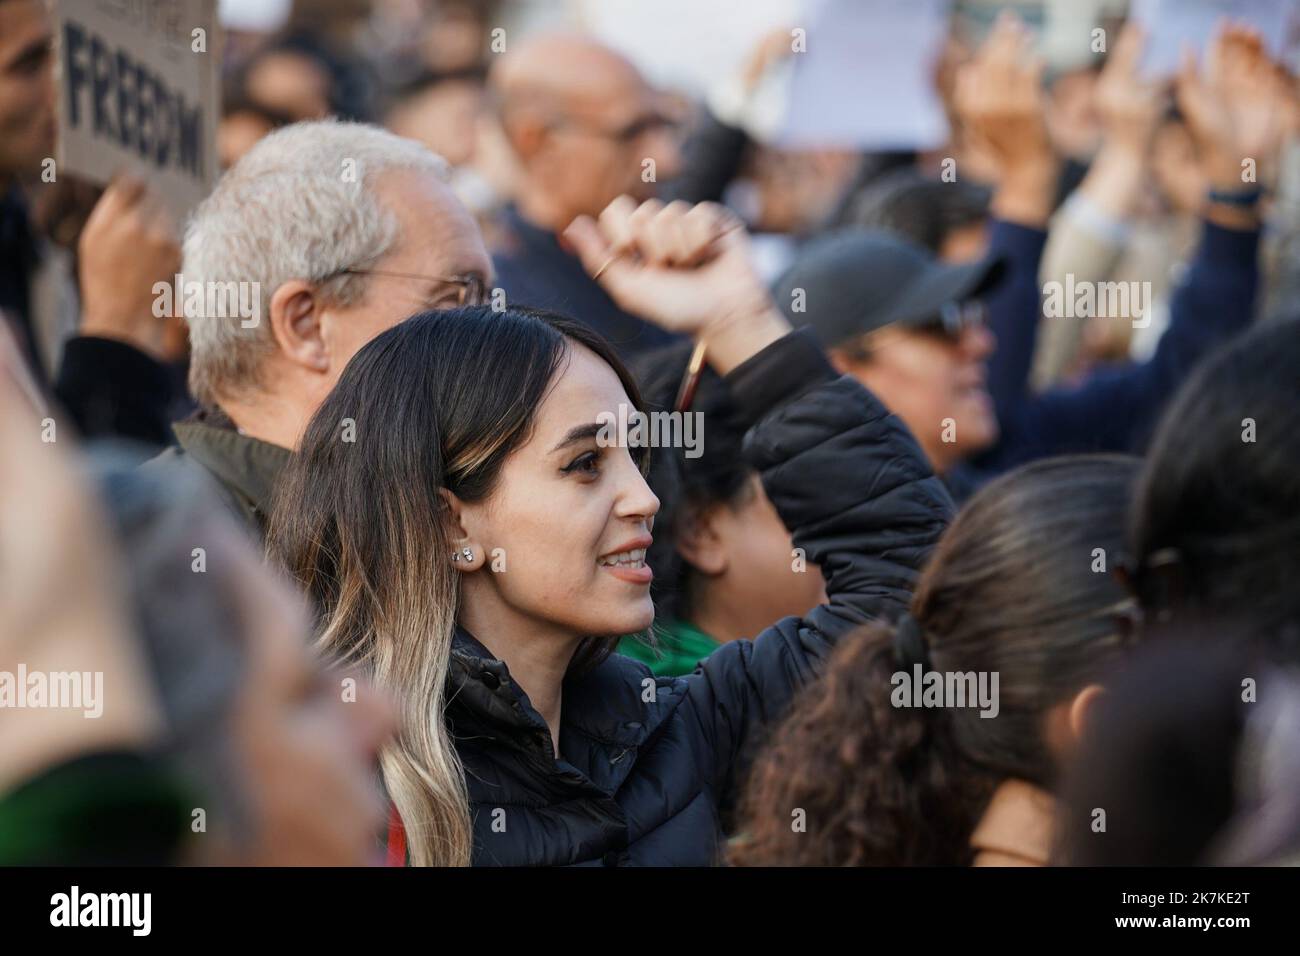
<point>911,329</point>
<point>908,327</point>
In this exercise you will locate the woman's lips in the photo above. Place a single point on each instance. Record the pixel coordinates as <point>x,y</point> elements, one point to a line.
<point>632,575</point>
<point>628,563</point>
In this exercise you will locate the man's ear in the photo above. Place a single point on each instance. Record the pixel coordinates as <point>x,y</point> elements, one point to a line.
<point>698,540</point>
<point>296,324</point>
<point>1079,715</point>
<point>859,366</point>
<point>840,361</point>
<point>460,519</point>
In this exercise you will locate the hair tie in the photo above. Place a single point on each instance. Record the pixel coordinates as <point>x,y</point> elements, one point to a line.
<point>910,645</point>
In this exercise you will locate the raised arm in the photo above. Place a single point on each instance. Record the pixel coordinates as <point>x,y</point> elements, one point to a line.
<point>1227,109</point>
<point>846,477</point>
<point>1000,103</point>
<point>1090,234</point>
<point>112,380</point>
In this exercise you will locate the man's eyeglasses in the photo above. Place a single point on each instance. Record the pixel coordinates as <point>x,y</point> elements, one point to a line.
<point>627,133</point>
<point>460,291</point>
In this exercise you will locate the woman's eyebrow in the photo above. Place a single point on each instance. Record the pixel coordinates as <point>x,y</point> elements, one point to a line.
<point>579,433</point>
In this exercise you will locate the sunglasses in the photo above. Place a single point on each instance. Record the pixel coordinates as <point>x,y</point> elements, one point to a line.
<point>955,318</point>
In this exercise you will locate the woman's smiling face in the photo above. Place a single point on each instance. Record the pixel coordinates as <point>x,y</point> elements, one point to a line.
<point>560,542</point>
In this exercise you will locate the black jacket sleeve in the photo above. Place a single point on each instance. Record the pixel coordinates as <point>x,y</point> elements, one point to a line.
<point>854,488</point>
<point>112,390</point>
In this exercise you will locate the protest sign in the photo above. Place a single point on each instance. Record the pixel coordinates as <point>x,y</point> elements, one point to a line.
<point>867,77</point>
<point>685,44</point>
<point>1171,25</point>
<point>138,91</point>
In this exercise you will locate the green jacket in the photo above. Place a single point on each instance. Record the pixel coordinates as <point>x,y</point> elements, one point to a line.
<point>104,808</point>
<point>678,647</point>
<point>244,468</point>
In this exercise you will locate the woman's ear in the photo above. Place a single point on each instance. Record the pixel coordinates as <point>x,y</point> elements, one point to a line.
<point>1079,715</point>
<point>699,542</point>
<point>294,314</point>
<point>467,554</point>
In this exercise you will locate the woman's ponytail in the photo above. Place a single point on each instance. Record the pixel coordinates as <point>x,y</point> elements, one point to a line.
<point>905,799</point>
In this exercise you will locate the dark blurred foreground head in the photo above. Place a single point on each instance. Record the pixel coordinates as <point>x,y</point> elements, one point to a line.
<point>1216,514</point>
<point>278,754</point>
<point>1193,759</point>
<point>1019,586</point>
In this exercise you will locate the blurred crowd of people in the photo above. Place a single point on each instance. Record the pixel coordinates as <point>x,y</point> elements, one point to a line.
<point>364,581</point>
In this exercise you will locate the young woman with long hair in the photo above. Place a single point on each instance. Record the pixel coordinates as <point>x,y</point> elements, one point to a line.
<point>1020,587</point>
<point>473,534</point>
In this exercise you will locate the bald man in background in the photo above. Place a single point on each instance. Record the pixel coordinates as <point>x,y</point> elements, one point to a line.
<point>585,128</point>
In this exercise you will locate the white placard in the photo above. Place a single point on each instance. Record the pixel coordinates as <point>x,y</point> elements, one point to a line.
<point>867,78</point>
<point>1172,24</point>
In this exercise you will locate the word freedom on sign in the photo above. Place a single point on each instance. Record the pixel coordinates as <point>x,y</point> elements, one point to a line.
<point>128,103</point>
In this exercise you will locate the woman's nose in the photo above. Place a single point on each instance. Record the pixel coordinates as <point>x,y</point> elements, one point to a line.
<point>636,499</point>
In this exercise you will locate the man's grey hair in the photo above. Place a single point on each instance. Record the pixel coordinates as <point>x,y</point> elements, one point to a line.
<point>299,205</point>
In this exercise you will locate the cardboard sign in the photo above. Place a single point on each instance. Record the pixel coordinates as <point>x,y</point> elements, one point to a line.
<point>867,78</point>
<point>139,92</point>
<point>1172,24</point>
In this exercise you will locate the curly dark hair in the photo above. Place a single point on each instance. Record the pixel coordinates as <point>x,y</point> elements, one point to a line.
<point>1013,588</point>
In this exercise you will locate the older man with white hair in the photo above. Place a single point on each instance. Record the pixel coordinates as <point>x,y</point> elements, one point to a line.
<point>334,232</point>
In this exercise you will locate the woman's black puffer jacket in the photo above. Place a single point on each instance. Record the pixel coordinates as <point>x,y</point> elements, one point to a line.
<point>648,765</point>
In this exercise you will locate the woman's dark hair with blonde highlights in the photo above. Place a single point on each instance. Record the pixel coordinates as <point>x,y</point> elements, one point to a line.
<point>439,401</point>
<point>1012,589</point>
